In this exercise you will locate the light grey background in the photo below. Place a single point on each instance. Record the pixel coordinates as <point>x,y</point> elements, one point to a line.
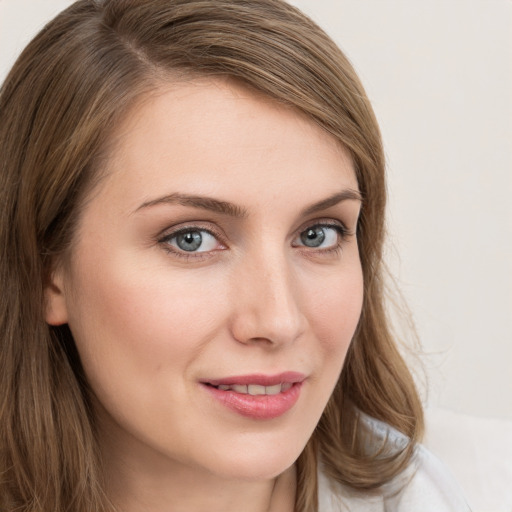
<point>439,74</point>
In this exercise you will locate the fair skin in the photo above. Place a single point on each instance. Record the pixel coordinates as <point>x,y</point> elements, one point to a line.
<point>220,243</point>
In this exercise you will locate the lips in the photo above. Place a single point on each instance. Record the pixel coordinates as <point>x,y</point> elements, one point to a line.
<point>257,396</point>
<point>258,379</point>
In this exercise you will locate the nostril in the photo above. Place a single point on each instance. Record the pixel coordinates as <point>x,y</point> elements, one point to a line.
<point>267,306</point>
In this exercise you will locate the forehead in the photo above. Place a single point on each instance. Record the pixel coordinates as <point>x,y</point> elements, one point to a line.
<point>208,134</point>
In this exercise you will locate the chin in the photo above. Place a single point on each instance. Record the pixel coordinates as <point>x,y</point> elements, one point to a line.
<point>256,462</point>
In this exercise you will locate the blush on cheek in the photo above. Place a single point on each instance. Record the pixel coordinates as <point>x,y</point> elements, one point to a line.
<point>150,317</point>
<point>337,309</point>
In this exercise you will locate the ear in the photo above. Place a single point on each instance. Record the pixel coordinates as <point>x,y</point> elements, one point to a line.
<point>56,312</point>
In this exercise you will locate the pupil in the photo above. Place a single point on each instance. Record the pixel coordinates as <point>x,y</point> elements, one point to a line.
<point>313,237</point>
<point>190,241</point>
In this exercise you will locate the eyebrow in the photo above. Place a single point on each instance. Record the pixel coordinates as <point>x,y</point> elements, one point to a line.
<point>345,195</point>
<point>203,202</point>
<point>233,210</point>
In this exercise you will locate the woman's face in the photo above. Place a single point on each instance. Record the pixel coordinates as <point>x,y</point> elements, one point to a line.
<point>214,284</point>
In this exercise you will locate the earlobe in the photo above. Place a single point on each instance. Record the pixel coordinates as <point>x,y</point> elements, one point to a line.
<point>55,300</point>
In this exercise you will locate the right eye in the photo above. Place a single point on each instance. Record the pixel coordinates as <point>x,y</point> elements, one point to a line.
<point>192,240</point>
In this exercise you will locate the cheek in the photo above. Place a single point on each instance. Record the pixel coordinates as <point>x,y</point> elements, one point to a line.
<point>139,332</point>
<point>335,313</point>
<point>131,320</point>
<point>336,308</point>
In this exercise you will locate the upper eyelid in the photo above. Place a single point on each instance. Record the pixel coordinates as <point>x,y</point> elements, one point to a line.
<point>176,230</point>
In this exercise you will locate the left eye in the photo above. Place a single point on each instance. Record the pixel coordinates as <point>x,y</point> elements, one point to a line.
<point>319,236</point>
<point>193,240</point>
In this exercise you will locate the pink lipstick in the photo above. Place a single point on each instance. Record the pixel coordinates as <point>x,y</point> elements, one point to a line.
<point>257,396</point>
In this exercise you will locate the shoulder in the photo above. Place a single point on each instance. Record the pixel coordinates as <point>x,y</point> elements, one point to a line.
<point>431,487</point>
<point>424,486</point>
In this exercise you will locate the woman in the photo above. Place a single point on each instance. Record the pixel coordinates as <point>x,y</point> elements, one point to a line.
<point>192,221</point>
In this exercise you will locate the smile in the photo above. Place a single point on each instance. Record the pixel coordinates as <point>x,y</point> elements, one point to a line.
<point>258,397</point>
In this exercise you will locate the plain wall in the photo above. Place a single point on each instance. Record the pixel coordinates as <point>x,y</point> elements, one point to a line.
<point>439,74</point>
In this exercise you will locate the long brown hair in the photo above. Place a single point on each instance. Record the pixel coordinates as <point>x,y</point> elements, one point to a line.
<point>63,98</point>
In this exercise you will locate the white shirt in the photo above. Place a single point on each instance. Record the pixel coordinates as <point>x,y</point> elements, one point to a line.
<point>424,486</point>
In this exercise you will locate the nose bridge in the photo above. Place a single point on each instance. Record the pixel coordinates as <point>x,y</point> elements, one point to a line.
<point>267,300</point>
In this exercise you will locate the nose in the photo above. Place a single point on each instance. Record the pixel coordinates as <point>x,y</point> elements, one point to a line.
<point>266,302</point>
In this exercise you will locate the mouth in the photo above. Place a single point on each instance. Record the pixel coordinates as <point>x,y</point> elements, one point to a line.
<point>254,389</point>
<point>257,396</point>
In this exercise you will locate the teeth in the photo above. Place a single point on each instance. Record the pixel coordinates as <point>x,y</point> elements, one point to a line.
<point>273,390</point>
<point>256,389</point>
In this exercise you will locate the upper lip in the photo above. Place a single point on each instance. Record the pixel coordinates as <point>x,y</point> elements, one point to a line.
<point>258,379</point>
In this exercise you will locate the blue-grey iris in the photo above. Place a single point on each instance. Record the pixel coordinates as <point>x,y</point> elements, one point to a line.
<point>189,241</point>
<point>313,237</point>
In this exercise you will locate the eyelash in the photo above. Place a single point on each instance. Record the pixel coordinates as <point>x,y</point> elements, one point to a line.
<point>342,231</point>
<point>164,241</point>
<point>343,234</point>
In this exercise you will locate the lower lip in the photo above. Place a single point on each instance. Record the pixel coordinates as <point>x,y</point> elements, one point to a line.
<point>260,407</point>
